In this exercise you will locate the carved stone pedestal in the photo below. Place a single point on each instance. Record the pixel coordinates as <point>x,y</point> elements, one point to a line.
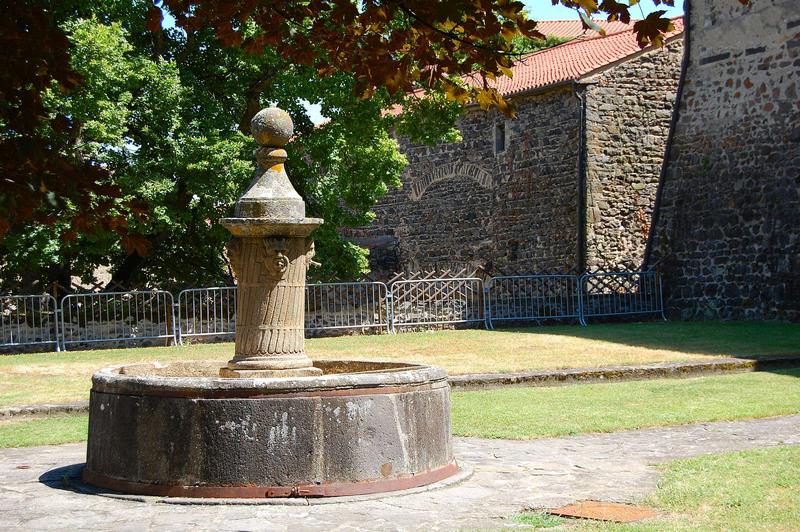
<point>270,312</point>
<point>270,252</point>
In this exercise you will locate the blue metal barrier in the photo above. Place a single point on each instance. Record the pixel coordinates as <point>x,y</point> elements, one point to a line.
<point>532,298</point>
<point>621,294</point>
<point>137,315</point>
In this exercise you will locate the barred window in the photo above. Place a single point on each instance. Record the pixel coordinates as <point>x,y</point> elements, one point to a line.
<point>500,137</point>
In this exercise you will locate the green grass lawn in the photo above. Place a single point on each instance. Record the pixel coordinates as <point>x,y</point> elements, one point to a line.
<point>525,413</point>
<point>742,491</point>
<point>52,430</point>
<point>60,377</point>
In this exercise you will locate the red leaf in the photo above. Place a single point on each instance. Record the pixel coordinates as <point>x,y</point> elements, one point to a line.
<point>135,244</point>
<point>154,18</point>
<point>652,29</point>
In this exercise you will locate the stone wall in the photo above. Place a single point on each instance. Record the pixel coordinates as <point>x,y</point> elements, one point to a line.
<point>519,211</point>
<point>462,205</point>
<point>628,111</point>
<point>727,232</point>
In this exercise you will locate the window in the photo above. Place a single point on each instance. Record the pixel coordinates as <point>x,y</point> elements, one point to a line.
<point>500,137</point>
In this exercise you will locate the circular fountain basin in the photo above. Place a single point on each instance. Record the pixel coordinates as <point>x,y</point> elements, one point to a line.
<point>181,430</point>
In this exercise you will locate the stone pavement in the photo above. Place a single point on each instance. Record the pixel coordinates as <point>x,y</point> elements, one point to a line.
<point>508,477</point>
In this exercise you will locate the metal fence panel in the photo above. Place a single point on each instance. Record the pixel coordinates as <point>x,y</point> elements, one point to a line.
<point>137,315</point>
<point>206,312</point>
<point>28,320</point>
<point>532,298</point>
<point>117,316</point>
<point>621,294</point>
<point>346,305</point>
<point>436,301</point>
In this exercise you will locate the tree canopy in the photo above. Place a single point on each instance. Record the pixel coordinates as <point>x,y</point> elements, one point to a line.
<point>397,44</point>
<point>123,142</point>
<point>166,116</point>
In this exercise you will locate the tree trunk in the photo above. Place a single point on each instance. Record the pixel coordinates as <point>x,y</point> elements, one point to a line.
<point>125,275</point>
<point>252,100</point>
<point>59,278</point>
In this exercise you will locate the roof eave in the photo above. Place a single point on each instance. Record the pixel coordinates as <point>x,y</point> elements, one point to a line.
<point>532,91</point>
<point>599,70</point>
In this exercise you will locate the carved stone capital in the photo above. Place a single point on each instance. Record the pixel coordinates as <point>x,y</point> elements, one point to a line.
<point>277,261</point>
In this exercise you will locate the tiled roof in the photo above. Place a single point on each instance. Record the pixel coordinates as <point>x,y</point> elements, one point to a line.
<point>568,61</point>
<point>571,29</point>
<point>571,60</point>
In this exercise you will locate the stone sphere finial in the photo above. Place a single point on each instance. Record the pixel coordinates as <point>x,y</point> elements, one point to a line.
<point>272,127</point>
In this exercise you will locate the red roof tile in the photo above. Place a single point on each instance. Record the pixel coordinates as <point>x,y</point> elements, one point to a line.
<point>571,29</point>
<point>571,60</point>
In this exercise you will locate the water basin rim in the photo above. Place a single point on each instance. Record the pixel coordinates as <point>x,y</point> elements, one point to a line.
<point>394,378</point>
<point>270,220</point>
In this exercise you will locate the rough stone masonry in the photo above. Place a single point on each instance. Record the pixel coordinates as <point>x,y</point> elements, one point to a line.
<point>727,232</point>
<point>573,186</point>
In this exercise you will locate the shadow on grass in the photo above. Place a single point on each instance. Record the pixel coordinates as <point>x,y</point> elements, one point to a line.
<point>737,339</point>
<point>773,346</point>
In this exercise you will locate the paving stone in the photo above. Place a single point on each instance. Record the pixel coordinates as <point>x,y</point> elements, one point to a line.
<point>509,476</point>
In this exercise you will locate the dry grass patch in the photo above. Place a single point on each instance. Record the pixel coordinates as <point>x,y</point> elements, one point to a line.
<point>58,377</point>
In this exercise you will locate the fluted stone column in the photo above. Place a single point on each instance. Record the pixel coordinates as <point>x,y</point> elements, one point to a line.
<point>270,252</point>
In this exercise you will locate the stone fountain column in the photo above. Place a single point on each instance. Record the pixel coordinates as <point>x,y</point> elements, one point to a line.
<point>270,251</point>
<point>164,430</point>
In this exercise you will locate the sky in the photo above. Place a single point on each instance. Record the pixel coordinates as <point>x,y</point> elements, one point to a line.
<point>545,10</point>
<point>537,10</point>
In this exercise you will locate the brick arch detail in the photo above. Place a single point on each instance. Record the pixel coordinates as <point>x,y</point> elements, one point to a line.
<point>455,169</point>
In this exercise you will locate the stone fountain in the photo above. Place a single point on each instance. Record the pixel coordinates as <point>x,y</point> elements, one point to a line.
<point>271,423</point>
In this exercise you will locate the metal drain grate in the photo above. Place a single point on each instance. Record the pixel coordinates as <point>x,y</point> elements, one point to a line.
<point>604,511</point>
